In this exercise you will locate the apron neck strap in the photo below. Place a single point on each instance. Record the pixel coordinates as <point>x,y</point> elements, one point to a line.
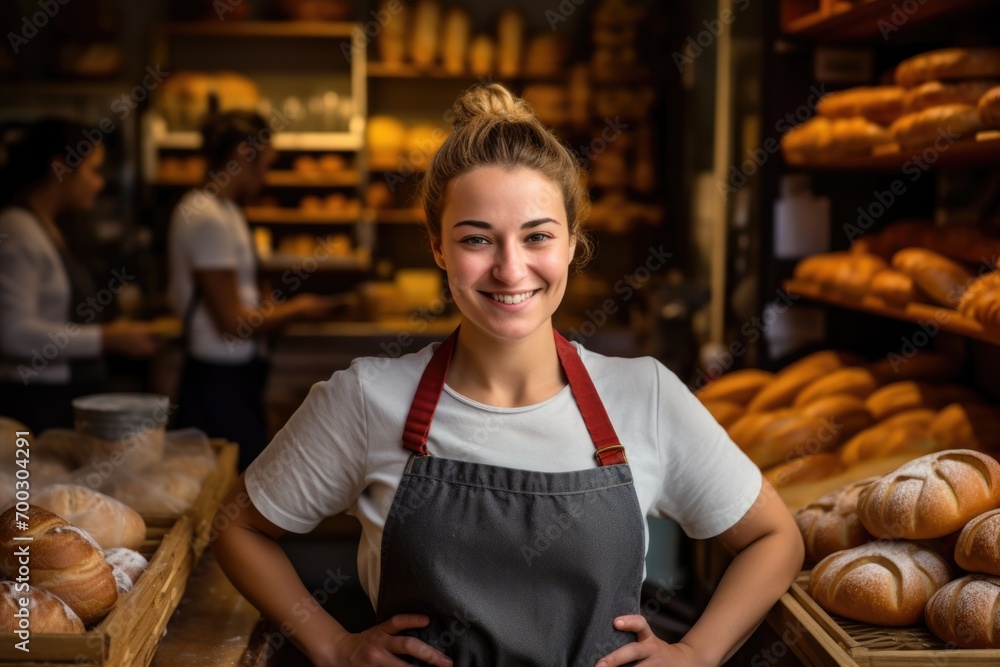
<point>418,422</point>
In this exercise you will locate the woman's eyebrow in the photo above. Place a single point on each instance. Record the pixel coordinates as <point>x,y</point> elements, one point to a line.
<point>479,224</point>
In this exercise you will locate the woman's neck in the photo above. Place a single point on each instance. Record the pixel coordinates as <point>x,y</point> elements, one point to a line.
<point>45,205</point>
<point>505,373</point>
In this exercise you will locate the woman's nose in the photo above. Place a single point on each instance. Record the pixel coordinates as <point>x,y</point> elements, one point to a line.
<point>509,266</point>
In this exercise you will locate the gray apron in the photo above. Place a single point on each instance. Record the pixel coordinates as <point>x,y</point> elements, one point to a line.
<point>513,567</point>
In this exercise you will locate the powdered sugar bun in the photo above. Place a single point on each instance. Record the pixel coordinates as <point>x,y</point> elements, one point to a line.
<point>966,612</point>
<point>978,548</point>
<point>830,523</point>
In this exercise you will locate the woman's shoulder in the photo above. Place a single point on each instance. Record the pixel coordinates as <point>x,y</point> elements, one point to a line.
<point>21,233</point>
<point>384,377</point>
<point>636,374</point>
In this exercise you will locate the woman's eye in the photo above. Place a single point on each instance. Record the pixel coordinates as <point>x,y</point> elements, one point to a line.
<point>474,240</point>
<point>537,238</point>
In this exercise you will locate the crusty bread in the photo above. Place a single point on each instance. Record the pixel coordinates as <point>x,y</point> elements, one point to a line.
<point>46,612</point>
<point>989,107</point>
<point>110,522</point>
<point>932,496</point>
<point>738,386</point>
<point>879,104</point>
<point>843,414</point>
<point>966,612</point>
<point>131,563</point>
<point>950,122</point>
<point>787,383</point>
<point>64,561</point>
<point>967,426</point>
<point>904,432</point>
<point>883,582</point>
<point>855,381</point>
<point>805,469</point>
<point>830,523</point>
<point>744,431</point>
<point>895,287</point>
<point>789,437</point>
<point>845,274</point>
<point>976,550</point>
<point>725,412</point>
<point>938,93</point>
<point>821,138</point>
<point>901,396</point>
<point>927,365</point>
<point>950,65</point>
<point>939,277</point>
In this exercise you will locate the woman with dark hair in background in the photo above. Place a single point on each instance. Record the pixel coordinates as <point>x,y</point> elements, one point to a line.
<point>51,341</point>
<point>214,288</point>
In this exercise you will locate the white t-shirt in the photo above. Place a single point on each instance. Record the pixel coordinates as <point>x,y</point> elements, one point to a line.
<point>211,233</point>
<point>342,449</point>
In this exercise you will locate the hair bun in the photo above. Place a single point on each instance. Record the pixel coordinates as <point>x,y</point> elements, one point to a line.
<point>493,102</point>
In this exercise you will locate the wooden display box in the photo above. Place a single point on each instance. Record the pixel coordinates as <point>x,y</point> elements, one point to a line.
<point>129,635</point>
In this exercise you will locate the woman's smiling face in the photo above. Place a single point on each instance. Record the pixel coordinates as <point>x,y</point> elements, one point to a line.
<point>506,246</point>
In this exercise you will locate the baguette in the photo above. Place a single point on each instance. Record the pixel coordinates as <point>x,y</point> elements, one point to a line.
<point>787,383</point>
<point>882,582</point>
<point>745,430</point>
<point>806,469</point>
<point>821,138</point>
<point>967,426</point>
<point>739,386</point>
<point>830,523</point>
<point>904,432</point>
<point>926,128</point>
<point>989,107</point>
<point>949,64</point>
<point>901,396</point>
<point>789,437</point>
<point>938,93</point>
<point>939,277</point>
<point>932,496</point>
<point>966,612</point>
<point>879,104</point>
<point>855,381</point>
<point>843,414</point>
<point>927,365</point>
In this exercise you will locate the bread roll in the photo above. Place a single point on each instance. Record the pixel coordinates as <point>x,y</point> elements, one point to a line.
<point>859,382</point>
<point>895,237</point>
<point>950,122</point>
<point>846,274</point>
<point>744,431</point>
<point>806,469</point>
<point>966,612</point>
<point>903,432</point>
<point>895,287</point>
<point>967,426</point>
<point>737,387</point>
<point>882,582</point>
<point>46,612</point>
<point>787,384</point>
<point>976,550</point>
<point>789,437</point>
<point>879,104</point>
<point>989,107</point>
<point>156,491</point>
<point>110,522</point>
<point>939,277</point>
<point>901,396</point>
<point>927,365</point>
<point>931,496</point>
<point>130,562</point>
<point>938,93</point>
<point>949,64</point>
<point>64,561</point>
<point>842,414</point>
<point>820,139</point>
<point>830,523</point>
<point>725,412</point>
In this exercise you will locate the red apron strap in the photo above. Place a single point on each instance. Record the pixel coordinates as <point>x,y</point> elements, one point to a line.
<point>418,422</point>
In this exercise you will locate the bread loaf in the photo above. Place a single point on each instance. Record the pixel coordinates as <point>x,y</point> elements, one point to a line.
<point>882,582</point>
<point>843,416</point>
<point>820,139</point>
<point>927,365</point>
<point>966,612</point>
<point>929,127</point>
<point>738,387</point>
<point>787,383</point>
<point>895,287</point>
<point>855,381</point>
<point>806,469</point>
<point>976,550</point>
<point>989,107</point>
<point>64,561</point>
<point>938,93</point>
<point>789,437</point>
<point>931,496</point>
<point>901,396</point>
<point>46,612</point>
<point>904,432</point>
<point>831,524</point>
<point>110,522</point>
<point>879,104</point>
<point>949,64</point>
<point>845,274</point>
<point>939,277</point>
<point>725,412</point>
<point>131,563</point>
<point>967,426</point>
<point>745,430</point>
<point>156,491</point>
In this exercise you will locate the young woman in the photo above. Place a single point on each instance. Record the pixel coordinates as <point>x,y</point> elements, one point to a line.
<point>502,477</point>
<point>52,339</point>
<point>215,290</point>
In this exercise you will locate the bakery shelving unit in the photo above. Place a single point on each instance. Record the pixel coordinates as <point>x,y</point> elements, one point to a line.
<point>840,20</point>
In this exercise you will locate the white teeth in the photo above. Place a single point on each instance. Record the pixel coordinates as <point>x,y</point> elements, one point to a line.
<point>513,298</point>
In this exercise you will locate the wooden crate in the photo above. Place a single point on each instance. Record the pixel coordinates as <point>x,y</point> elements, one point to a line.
<point>129,634</point>
<point>855,643</point>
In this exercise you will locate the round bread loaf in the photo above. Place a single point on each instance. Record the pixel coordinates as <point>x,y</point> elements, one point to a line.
<point>950,122</point>
<point>111,523</point>
<point>932,496</point>
<point>949,64</point>
<point>46,612</point>
<point>989,107</point>
<point>879,104</point>
<point>938,93</point>
<point>966,612</point>
<point>64,561</point>
<point>978,543</point>
<point>738,387</point>
<point>830,523</point>
<point>883,582</point>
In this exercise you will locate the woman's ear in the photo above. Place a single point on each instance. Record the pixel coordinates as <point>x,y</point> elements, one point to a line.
<point>572,247</point>
<point>438,254</point>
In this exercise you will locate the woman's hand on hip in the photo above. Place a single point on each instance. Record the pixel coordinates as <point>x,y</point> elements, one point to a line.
<point>648,650</point>
<point>379,646</point>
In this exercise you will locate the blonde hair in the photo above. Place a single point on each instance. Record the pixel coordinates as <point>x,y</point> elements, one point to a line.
<point>494,128</point>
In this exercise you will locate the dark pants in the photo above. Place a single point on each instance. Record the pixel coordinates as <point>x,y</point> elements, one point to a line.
<point>225,401</point>
<point>41,406</point>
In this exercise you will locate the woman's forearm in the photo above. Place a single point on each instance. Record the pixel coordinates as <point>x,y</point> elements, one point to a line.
<point>756,578</point>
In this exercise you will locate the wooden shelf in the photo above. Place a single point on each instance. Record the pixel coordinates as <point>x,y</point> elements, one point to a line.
<point>319,141</point>
<point>289,179</point>
<point>865,21</point>
<point>278,262</point>
<point>380,70</point>
<point>982,151</point>
<point>231,28</point>
<point>399,166</point>
<point>273,215</point>
<point>946,319</point>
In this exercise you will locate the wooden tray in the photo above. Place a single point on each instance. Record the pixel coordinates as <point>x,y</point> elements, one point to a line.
<point>871,645</point>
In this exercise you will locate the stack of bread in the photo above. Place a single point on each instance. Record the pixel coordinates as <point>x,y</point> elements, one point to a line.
<point>917,544</point>
<point>938,98</point>
<point>832,416</point>
<point>73,580</point>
